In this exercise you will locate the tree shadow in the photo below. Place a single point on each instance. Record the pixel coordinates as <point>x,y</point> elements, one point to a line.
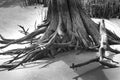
<point>91,71</point>
<point>66,57</point>
<point>95,74</point>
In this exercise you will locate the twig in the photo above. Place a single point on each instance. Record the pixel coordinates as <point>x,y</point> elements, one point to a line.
<point>23,30</point>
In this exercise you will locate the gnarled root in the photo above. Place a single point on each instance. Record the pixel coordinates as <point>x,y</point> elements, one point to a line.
<point>27,37</point>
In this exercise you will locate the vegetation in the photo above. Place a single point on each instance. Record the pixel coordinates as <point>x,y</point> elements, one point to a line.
<point>103,8</point>
<point>94,8</point>
<point>34,2</point>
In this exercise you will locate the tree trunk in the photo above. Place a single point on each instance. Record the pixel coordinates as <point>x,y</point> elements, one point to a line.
<point>67,18</point>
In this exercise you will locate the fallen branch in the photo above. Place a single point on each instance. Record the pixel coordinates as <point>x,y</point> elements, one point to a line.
<point>94,60</point>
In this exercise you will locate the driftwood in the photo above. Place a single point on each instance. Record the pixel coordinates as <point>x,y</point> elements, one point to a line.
<point>94,60</point>
<point>103,41</point>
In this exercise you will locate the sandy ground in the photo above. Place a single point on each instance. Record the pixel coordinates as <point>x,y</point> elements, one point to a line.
<point>59,68</point>
<point>10,17</point>
<point>13,16</point>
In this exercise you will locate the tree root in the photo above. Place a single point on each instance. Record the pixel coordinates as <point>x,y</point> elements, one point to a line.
<point>16,51</point>
<point>28,37</point>
<point>43,25</point>
<point>4,39</point>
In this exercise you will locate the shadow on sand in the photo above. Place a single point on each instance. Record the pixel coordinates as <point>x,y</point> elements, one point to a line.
<point>58,68</point>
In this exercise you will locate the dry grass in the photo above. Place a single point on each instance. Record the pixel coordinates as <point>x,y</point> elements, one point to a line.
<point>103,8</point>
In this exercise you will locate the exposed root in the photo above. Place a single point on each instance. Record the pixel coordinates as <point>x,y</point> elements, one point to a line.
<point>7,40</point>
<point>27,37</point>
